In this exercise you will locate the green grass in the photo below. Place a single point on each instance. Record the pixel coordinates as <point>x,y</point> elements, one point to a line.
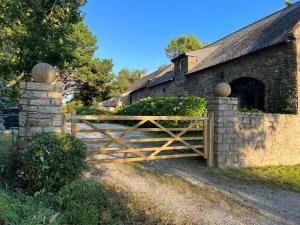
<point>280,176</point>
<point>21,209</point>
<point>7,141</point>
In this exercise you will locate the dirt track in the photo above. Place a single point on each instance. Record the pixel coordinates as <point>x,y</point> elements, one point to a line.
<point>184,189</point>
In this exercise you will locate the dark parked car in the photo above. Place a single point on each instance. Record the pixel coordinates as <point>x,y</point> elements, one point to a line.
<point>11,117</point>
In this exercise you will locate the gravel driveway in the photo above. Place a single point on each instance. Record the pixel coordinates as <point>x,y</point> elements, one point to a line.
<point>184,188</point>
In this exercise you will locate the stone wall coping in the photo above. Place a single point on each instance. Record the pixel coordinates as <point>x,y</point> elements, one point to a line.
<point>253,114</point>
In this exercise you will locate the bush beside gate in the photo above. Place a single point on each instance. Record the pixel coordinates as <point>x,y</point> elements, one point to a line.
<point>166,106</point>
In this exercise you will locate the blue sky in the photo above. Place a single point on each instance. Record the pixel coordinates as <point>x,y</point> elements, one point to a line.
<point>134,33</point>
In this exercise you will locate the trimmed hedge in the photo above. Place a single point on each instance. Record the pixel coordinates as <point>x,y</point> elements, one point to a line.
<point>91,111</point>
<point>166,106</point>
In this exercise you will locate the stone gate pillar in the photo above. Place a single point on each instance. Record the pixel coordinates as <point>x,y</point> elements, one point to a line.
<point>225,110</point>
<point>40,109</point>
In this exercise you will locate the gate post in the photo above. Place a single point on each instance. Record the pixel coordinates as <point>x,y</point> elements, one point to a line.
<point>225,110</point>
<point>40,108</point>
<point>73,124</point>
<point>64,120</point>
<point>210,142</point>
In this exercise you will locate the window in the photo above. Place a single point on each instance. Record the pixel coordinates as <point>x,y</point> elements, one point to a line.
<point>182,70</point>
<point>250,92</point>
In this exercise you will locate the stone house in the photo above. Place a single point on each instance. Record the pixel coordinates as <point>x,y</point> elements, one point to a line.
<point>261,62</point>
<point>148,81</point>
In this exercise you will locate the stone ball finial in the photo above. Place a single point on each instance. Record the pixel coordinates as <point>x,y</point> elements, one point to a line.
<point>43,73</point>
<point>222,90</point>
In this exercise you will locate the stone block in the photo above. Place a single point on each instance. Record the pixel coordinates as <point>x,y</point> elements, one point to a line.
<point>33,94</point>
<point>50,109</point>
<point>56,102</point>
<point>55,95</point>
<point>52,129</point>
<point>39,86</point>
<point>40,102</point>
<point>57,122</point>
<point>29,108</point>
<point>36,129</point>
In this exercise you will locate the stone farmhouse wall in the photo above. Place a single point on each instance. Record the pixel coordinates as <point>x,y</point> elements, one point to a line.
<point>253,139</point>
<point>276,67</point>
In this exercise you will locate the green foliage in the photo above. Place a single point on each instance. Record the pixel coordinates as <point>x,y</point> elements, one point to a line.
<point>52,31</point>
<point>86,202</point>
<point>34,31</point>
<point>51,161</point>
<point>183,44</point>
<point>88,80</point>
<point>8,96</point>
<point>73,105</point>
<point>91,111</point>
<point>16,209</point>
<point>124,80</point>
<point>282,176</point>
<point>288,3</point>
<point>166,106</point>
<point>8,159</point>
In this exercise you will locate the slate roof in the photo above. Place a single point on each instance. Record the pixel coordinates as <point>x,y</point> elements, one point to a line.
<point>112,102</point>
<point>162,75</point>
<point>269,31</point>
<point>168,76</point>
<point>158,77</point>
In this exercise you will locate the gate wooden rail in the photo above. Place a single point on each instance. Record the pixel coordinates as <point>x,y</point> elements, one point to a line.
<point>147,139</point>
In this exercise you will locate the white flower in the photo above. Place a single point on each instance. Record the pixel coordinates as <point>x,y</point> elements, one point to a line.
<point>180,103</point>
<point>174,109</point>
<point>152,104</point>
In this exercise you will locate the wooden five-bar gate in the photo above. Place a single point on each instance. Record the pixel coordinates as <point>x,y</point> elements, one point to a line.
<point>144,137</point>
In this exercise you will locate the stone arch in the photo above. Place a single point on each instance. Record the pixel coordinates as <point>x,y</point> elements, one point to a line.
<point>250,92</point>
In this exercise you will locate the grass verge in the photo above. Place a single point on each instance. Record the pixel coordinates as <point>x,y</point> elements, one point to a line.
<point>279,176</point>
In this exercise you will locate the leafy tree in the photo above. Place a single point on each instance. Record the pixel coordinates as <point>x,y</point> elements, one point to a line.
<point>88,79</point>
<point>182,44</point>
<point>288,3</point>
<point>124,80</point>
<point>52,31</point>
<point>32,31</point>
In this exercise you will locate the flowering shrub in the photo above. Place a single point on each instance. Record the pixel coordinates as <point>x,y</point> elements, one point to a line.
<point>166,106</point>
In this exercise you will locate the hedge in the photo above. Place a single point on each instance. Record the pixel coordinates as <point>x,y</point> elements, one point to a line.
<point>166,106</point>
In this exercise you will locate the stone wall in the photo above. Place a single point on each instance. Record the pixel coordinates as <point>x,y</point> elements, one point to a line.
<point>40,109</point>
<point>275,66</point>
<point>253,139</point>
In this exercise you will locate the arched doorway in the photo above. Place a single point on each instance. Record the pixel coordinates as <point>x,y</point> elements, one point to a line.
<point>250,92</point>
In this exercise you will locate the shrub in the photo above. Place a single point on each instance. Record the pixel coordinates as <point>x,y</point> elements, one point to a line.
<point>85,202</point>
<point>73,105</point>
<point>84,110</point>
<point>166,106</point>
<point>51,161</point>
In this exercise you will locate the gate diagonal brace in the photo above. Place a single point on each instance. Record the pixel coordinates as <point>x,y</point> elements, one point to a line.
<point>125,132</point>
<point>117,140</point>
<point>176,137</point>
